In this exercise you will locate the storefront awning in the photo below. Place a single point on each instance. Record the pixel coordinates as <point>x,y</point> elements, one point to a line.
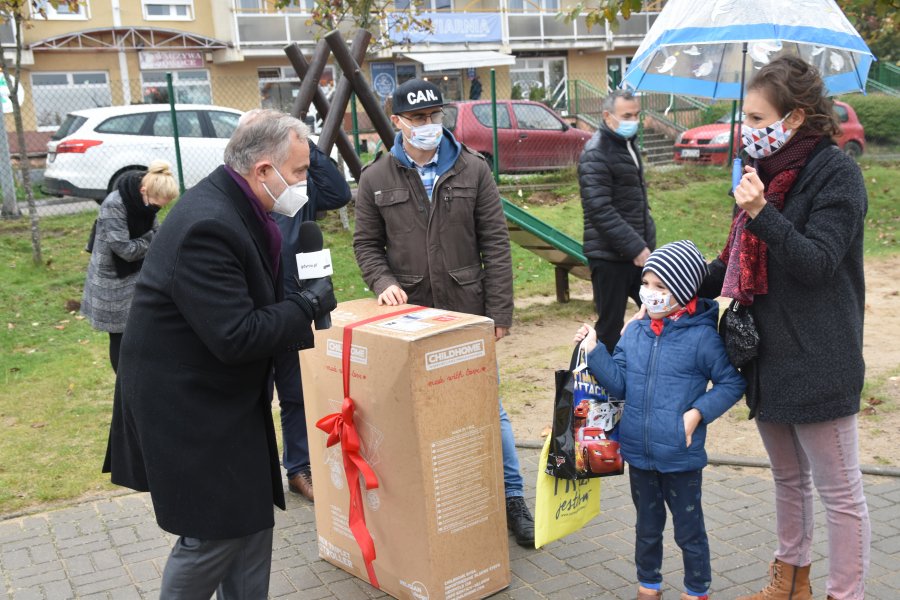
<point>442,61</point>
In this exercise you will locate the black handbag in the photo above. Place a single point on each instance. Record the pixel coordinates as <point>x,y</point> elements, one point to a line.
<point>738,331</point>
<point>584,441</point>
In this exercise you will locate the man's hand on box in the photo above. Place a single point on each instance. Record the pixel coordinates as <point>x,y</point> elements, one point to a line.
<point>392,296</point>
<point>500,332</point>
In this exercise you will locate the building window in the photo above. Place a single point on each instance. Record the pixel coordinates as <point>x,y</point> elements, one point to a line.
<point>61,12</point>
<point>278,86</point>
<point>405,73</point>
<point>534,6</point>
<point>303,6</point>
<point>190,87</point>
<point>57,94</point>
<point>426,5</point>
<point>172,10</point>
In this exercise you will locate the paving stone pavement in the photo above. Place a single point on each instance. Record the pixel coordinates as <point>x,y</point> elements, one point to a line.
<point>112,548</point>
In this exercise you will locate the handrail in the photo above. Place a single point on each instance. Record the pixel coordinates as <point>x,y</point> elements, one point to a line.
<point>876,86</point>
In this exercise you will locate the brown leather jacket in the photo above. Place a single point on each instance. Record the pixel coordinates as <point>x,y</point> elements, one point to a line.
<point>450,253</point>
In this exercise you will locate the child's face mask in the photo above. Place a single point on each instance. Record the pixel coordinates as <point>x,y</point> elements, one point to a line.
<point>656,302</point>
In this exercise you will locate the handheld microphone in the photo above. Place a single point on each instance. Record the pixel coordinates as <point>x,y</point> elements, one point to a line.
<point>313,262</point>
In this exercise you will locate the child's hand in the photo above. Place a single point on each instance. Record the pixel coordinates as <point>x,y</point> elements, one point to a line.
<point>692,418</point>
<point>587,334</point>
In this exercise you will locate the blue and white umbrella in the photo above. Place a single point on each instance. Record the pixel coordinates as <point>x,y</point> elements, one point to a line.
<point>697,47</point>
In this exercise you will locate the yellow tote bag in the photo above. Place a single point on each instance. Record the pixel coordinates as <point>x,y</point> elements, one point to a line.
<point>562,506</point>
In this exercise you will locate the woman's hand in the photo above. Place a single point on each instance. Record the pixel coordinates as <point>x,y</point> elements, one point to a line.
<point>637,317</point>
<point>588,335</point>
<point>692,418</point>
<point>749,193</point>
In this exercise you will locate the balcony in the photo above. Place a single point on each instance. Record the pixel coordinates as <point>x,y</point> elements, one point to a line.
<point>528,28</point>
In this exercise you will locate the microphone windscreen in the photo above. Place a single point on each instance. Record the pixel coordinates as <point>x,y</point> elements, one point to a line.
<point>310,237</point>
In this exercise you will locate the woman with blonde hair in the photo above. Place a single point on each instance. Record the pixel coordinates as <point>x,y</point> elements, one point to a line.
<point>122,236</point>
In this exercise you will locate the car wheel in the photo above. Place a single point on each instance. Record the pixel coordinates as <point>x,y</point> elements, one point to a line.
<point>853,149</point>
<point>114,182</point>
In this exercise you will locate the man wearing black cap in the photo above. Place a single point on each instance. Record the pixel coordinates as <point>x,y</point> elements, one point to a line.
<point>430,230</point>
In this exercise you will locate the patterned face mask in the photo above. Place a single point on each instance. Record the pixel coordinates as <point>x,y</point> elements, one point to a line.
<point>760,143</point>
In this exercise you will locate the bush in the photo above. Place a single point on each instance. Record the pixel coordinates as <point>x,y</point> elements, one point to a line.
<point>536,94</point>
<point>516,93</point>
<point>879,114</point>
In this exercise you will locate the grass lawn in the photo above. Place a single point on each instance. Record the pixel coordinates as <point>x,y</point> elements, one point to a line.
<point>56,396</point>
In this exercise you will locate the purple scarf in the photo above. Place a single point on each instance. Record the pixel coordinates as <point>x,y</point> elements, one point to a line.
<point>273,234</point>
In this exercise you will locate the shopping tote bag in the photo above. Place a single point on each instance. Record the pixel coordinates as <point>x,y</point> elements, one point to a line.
<point>562,506</point>
<point>584,442</point>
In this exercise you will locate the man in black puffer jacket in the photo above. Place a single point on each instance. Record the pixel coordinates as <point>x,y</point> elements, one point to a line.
<point>619,233</point>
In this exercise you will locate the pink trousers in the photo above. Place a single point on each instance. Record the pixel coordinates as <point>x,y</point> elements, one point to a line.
<point>824,455</point>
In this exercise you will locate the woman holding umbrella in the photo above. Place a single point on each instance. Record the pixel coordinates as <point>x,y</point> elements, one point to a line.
<point>794,256</point>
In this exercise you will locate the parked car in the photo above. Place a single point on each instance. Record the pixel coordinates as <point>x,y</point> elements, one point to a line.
<point>94,147</point>
<point>530,136</point>
<point>708,144</point>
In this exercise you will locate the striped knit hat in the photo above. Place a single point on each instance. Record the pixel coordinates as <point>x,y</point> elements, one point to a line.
<point>680,266</point>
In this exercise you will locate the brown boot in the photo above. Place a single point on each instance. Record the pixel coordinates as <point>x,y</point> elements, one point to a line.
<point>786,582</point>
<point>648,594</point>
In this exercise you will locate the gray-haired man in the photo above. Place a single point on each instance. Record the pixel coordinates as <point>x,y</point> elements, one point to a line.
<point>192,419</point>
<point>619,232</point>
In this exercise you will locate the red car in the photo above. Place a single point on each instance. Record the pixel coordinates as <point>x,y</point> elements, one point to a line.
<point>708,144</point>
<point>600,454</point>
<point>530,136</point>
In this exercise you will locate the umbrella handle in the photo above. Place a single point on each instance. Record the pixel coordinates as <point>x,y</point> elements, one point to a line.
<point>737,171</point>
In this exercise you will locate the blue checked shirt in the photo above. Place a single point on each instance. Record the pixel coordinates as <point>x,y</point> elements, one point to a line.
<point>428,172</point>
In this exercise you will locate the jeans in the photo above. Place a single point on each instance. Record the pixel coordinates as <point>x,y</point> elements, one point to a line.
<point>651,491</point>
<point>293,415</point>
<point>512,473</point>
<point>614,283</point>
<point>824,455</point>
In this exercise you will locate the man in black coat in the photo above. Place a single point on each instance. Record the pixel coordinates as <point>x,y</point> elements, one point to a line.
<point>326,189</point>
<point>619,232</point>
<point>192,421</point>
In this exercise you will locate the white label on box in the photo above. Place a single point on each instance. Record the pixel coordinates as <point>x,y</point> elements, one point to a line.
<point>409,323</point>
<point>332,552</point>
<point>358,354</point>
<point>454,354</point>
<point>429,313</point>
<point>312,265</point>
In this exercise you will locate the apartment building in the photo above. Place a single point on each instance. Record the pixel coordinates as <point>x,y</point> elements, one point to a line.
<point>230,52</point>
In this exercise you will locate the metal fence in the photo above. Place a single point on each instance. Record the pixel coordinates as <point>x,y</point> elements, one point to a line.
<point>81,136</point>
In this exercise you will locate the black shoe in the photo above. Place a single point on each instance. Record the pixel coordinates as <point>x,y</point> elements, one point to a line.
<point>520,521</point>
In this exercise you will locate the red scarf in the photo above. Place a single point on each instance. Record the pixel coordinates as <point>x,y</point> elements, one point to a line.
<point>657,324</point>
<point>745,254</point>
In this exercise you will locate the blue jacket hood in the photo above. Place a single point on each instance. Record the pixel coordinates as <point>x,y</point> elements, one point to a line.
<point>448,152</point>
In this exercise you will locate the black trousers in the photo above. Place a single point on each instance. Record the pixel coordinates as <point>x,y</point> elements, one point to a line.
<point>115,342</point>
<point>614,283</point>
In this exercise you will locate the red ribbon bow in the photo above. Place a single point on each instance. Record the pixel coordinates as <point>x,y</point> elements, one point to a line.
<point>341,428</point>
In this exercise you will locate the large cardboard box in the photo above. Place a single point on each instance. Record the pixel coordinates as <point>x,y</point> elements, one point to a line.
<point>424,385</point>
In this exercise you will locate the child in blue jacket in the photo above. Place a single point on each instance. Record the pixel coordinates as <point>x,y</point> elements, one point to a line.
<point>662,366</point>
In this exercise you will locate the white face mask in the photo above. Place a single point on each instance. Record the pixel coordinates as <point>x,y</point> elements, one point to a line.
<point>656,302</point>
<point>291,200</point>
<point>425,137</point>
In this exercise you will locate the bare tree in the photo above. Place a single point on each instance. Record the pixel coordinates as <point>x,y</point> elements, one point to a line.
<point>19,13</point>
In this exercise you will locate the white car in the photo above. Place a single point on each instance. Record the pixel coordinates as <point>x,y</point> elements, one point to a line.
<point>94,147</point>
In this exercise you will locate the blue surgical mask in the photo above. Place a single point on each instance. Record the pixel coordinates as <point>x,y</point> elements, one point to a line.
<point>626,129</point>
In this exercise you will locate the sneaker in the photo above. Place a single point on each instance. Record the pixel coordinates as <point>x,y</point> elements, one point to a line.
<point>520,521</point>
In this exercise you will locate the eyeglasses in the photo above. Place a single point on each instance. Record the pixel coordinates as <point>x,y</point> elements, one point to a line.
<point>419,119</point>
